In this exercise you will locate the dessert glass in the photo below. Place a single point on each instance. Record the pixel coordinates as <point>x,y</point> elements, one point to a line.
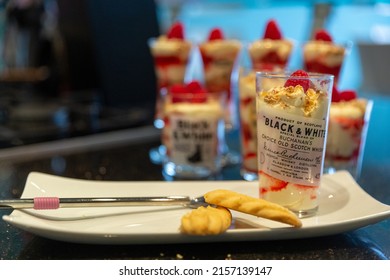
<point>171,58</point>
<point>270,55</point>
<point>324,57</point>
<point>193,135</point>
<point>292,127</point>
<point>219,59</point>
<point>248,119</point>
<point>348,125</point>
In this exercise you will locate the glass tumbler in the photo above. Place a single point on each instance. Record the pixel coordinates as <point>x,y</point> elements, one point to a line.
<point>292,120</point>
<point>248,123</point>
<point>348,124</point>
<point>193,135</point>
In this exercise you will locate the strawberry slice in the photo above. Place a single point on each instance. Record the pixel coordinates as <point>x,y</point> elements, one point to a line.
<point>272,31</point>
<point>295,80</point>
<point>216,34</point>
<point>176,31</point>
<point>347,95</point>
<point>335,95</point>
<point>323,35</point>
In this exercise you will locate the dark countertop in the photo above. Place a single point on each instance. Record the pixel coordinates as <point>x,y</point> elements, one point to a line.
<point>122,160</point>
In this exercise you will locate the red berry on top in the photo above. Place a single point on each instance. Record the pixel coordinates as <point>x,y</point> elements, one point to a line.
<point>322,35</point>
<point>272,31</point>
<point>347,95</point>
<point>335,95</point>
<point>178,88</point>
<point>295,80</point>
<point>193,86</point>
<point>182,93</point>
<point>176,31</point>
<point>216,34</point>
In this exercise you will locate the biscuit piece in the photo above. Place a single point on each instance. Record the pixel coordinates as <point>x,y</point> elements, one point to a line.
<point>251,205</point>
<point>206,221</point>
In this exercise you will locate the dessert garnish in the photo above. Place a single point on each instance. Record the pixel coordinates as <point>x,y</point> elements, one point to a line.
<point>216,34</point>
<point>345,95</point>
<point>323,35</point>
<point>192,92</point>
<point>294,80</point>
<point>272,31</point>
<point>176,31</point>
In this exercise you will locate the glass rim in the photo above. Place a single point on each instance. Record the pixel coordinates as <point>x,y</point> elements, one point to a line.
<point>287,75</point>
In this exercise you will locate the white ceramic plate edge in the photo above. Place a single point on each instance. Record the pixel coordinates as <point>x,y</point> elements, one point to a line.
<point>350,197</point>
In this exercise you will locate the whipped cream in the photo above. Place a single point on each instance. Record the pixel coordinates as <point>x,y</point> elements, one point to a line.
<point>346,121</point>
<point>221,49</point>
<point>260,48</point>
<point>295,100</point>
<point>163,46</point>
<point>324,52</point>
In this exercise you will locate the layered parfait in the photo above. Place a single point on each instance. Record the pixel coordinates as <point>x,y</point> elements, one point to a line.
<point>292,124</point>
<point>322,55</point>
<point>272,51</point>
<point>171,53</point>
<point>194,131</point>
<point>219,56</point>
<point>248,119</point>
<point>348,123</point>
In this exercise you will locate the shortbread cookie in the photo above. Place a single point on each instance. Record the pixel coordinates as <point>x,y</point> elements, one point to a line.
<point>206,221</point>
<point>251,205</point>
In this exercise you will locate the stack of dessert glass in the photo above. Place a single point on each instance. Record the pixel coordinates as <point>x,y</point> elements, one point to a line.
<point>349,115</point>
<point>222,75</point>
<point>171,54</point>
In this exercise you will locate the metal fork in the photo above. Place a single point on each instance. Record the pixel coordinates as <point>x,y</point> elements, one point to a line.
<point>48,203</point>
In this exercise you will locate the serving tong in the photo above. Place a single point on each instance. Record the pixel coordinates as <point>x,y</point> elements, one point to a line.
<point>51,203</point>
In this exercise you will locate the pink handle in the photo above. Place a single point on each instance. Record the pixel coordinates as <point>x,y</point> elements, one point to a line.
<point>45,203</point>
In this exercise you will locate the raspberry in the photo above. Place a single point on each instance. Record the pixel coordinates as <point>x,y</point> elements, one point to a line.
<point>180,93</point>
<point>348,95</point>
<point>305,83</point>
<point>178,89</point>
<point>216,34</point>
<point>335,95</point>
<point>176,31</point>
<point>323,35</point>
<point>193,86</point>
<point>176,92</point>
<point>272,31</point>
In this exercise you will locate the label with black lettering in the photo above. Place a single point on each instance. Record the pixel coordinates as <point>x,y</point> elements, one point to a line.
<point>291,148</point>
<point>194,140</point>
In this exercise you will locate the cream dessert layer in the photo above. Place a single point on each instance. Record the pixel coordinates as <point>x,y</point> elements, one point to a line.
<point>326,53</point>
<point>209,108</point>
<point>164,46</point>
<point>296,101</point>
<point>262,48</point>
<point>293,103</point>
<point>218,58</point>
<point>247,97</point>
<point>221,49</point>
<point>346,121</point>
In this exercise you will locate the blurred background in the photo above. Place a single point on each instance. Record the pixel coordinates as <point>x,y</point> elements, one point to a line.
<point>80,67</point>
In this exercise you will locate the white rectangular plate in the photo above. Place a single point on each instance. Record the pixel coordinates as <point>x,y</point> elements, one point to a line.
<point>344,206</point>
